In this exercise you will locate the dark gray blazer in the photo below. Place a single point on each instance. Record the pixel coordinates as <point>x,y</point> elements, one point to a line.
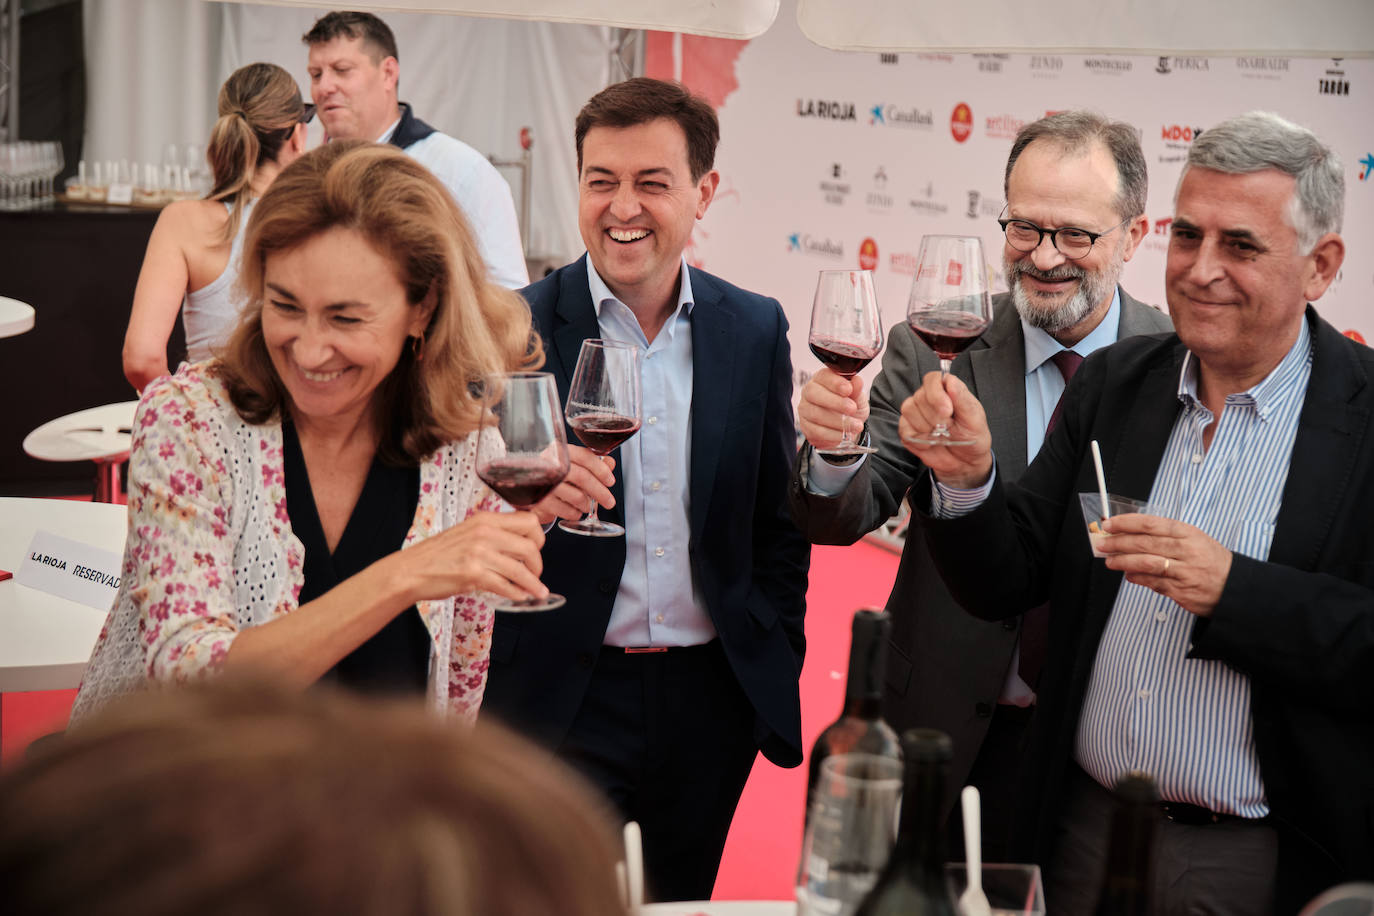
<point>946,667</point>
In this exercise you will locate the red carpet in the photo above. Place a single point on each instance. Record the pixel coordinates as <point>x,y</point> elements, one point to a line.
<point>761,854</point>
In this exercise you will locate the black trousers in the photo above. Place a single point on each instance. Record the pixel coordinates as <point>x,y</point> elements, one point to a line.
<point>1224,869</point>
<point>669,738</point>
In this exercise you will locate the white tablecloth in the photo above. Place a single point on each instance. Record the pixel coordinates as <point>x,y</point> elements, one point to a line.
<point>15,317</point>
<point>721,908</point>
<point>45,641</point>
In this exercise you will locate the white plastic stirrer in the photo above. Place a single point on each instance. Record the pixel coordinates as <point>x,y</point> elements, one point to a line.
<point>1101,479</point>
<point>973,902</point>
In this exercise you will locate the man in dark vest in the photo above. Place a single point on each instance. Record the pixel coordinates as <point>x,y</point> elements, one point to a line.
<point>354,72</point>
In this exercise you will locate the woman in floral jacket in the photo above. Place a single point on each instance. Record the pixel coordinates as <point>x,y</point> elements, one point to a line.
<point>272,489</point>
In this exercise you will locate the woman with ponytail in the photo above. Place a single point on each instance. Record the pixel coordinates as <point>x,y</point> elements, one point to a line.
<point>193,253</point>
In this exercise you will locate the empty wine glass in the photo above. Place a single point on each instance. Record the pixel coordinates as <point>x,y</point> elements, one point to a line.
<point>949,307</point>
<point>529,454</point>
<point>846,334</point>
<point>849,834</point>
<point>603,410</point>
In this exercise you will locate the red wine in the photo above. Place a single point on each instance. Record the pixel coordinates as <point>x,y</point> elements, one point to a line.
<point>947,333</point>
<point>522,482</point>
<point>603,432</point>
<point>845,358</point>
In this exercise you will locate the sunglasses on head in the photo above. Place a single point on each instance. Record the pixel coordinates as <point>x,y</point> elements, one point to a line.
<point>308,113</point>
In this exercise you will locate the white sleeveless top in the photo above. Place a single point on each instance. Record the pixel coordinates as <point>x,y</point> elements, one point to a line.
<point>211,312</point>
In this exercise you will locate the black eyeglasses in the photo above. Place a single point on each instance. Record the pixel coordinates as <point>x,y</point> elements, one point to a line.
<point>308,114</point>
<point>1070,241</point>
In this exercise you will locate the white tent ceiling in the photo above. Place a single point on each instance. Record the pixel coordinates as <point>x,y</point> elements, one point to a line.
<point>717,18</point>
<point>1313,28</point>
<point>1310,28</point>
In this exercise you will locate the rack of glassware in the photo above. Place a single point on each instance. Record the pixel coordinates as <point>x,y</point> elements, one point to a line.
<point>27,170</point>
<point>181,176</point>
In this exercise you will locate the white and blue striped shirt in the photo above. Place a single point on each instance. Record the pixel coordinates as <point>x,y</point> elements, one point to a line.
<point>1148,706</point>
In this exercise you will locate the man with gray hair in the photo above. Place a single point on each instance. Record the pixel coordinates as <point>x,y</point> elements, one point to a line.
<point>1226,643</point>
<point>1075,185</point>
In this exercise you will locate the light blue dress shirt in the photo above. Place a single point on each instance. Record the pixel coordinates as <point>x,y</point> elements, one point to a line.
<point>1044,383</point>
<point>657,604</point>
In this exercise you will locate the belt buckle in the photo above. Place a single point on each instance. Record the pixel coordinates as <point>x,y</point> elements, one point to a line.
<point>642,650</point>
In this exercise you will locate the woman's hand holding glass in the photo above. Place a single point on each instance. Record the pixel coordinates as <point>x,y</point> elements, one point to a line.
<point>496,552</point>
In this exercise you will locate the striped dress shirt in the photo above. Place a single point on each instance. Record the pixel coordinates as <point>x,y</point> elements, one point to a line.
<point>1148,706</point>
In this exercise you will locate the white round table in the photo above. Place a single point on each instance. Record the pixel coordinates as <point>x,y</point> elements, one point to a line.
<point>45,640</point>
<point>15,317</point>
<point>721,908</point>
<point>99,434</point>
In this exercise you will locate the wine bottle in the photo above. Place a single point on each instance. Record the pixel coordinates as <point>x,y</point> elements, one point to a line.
<point>860,727</point>
<point>1126,883</point>
<point>913,882</point>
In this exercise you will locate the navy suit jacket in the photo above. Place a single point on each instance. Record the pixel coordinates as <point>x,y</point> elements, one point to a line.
<point>748,559</point>
<point>1299,624</point>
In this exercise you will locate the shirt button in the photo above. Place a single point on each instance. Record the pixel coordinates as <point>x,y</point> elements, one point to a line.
<point>1161,616</point>
<point>1197,459</point>
<point>655,486</point>
<point>653,421</point>
<point>659,618</point>
<point>1143,693</point>
<point>658,551</point>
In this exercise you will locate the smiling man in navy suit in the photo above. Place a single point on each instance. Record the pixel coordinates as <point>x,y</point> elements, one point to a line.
<point>677,656</point>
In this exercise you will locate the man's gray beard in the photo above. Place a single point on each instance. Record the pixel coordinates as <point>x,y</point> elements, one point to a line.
<point>1042,312</point>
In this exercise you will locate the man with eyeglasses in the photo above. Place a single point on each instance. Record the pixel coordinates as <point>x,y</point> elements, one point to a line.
<point>355,71</point>
<point>1075,185</point>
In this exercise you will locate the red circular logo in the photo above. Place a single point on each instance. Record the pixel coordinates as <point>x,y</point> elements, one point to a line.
<point>1355,336</point>
<point>961,122</point>
<point>868,254</point>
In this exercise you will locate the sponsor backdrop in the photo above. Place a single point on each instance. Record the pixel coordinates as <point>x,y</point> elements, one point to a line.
<point>832,159</point>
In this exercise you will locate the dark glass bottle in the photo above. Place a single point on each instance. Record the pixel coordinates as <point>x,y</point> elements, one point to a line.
<point>913,883</point>
<point>1126,883</point>
<point>860,727</point>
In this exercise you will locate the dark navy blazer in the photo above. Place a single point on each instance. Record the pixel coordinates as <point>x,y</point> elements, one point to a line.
<point>748,559</point>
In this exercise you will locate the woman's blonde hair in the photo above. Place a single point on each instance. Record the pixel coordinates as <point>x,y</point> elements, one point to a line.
<point>259,108</point>
<point>232,797</point>
<point>477,328</point>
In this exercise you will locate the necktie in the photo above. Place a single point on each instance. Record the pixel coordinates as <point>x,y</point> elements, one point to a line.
<point>1035,623</point>
<point>1067,362</point>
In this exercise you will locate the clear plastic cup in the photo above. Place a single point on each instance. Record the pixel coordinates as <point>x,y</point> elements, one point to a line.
<point>1092,515</point>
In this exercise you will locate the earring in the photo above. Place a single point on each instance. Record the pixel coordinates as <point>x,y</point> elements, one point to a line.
<point>417,347</point>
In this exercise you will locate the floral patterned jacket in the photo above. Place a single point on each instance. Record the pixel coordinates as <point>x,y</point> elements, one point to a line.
<point>210,549</point>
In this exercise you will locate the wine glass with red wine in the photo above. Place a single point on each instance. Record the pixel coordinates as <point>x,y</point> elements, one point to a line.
<point>949,307</point>
<point>603,410</point>
<point>846,334</point>
<point>530,455</point>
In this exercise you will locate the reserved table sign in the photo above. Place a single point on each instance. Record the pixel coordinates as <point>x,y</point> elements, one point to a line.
<point>71,570</point>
